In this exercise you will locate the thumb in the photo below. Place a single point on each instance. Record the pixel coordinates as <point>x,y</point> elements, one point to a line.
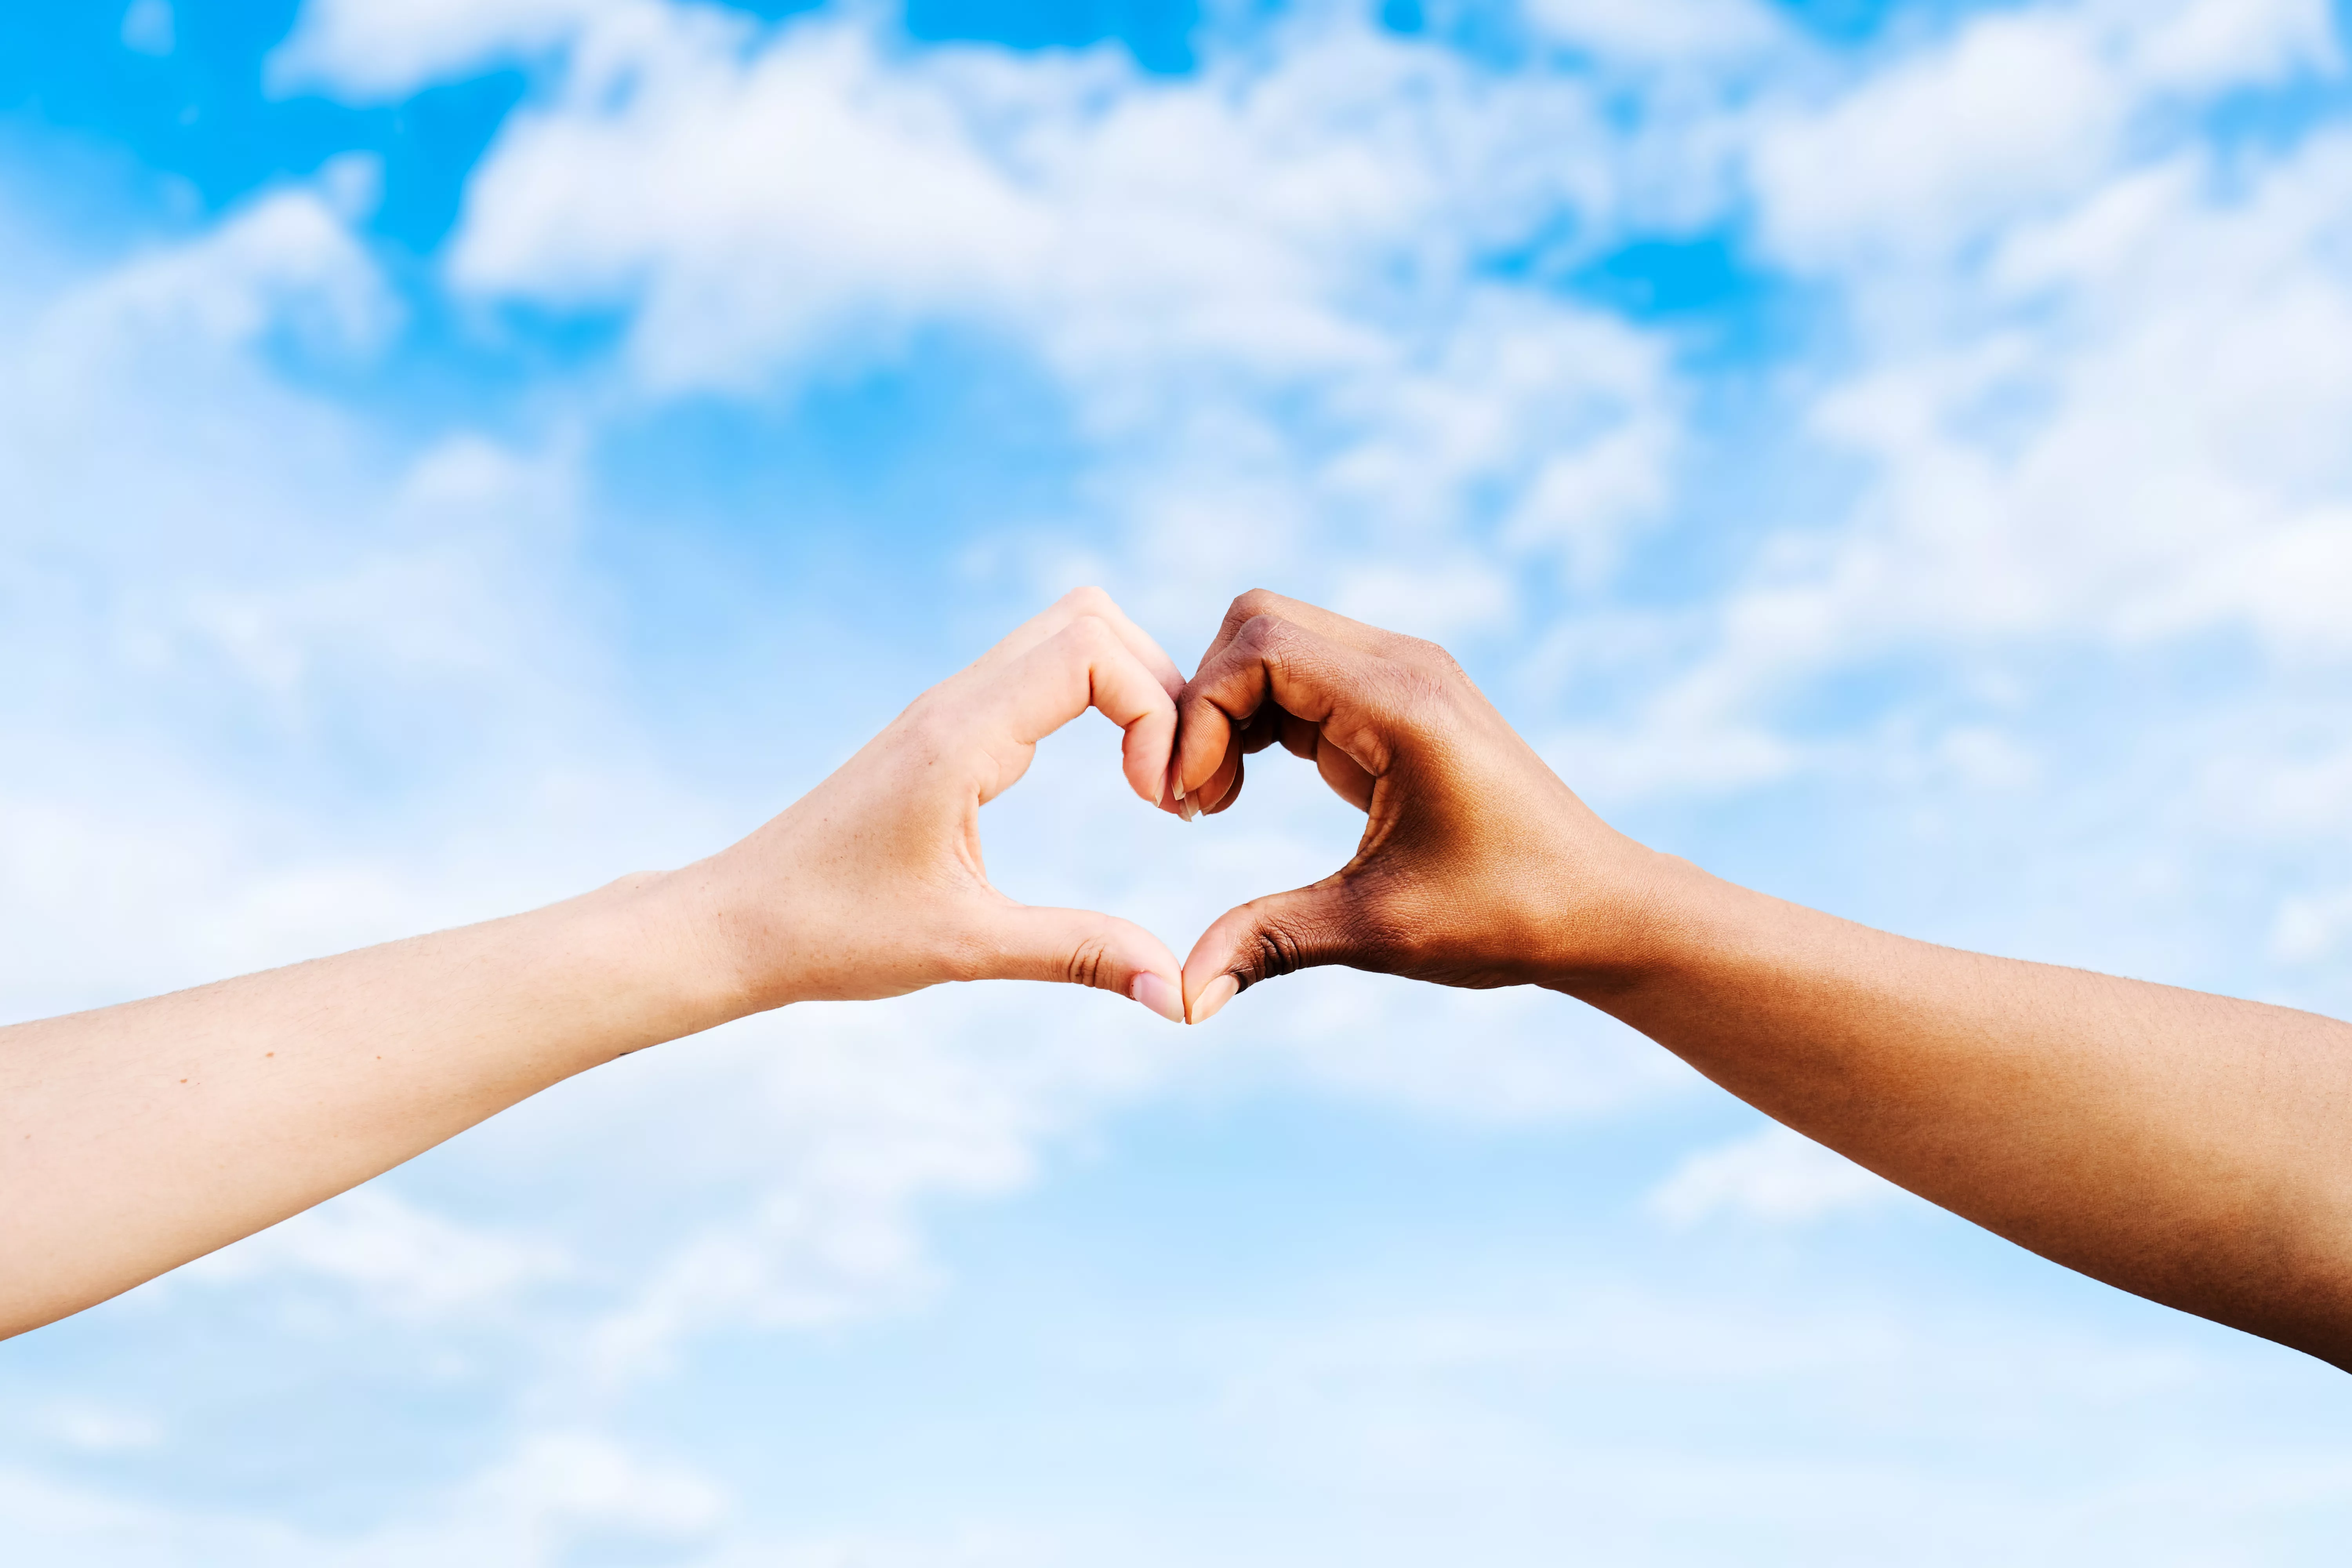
<point>1083,947</point>
<point>1277,934</point>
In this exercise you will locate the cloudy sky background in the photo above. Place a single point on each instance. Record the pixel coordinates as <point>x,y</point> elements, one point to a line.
<point>453,452</point>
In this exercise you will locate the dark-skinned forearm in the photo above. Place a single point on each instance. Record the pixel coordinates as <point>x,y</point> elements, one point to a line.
<point>2194,1149</point>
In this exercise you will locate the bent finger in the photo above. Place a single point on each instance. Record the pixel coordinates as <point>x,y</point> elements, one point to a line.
<point>1224,786</point>
<point>1071,606</point>
<point>1085,664</point>
<point>1339,688</point>
<point>1330,623</point>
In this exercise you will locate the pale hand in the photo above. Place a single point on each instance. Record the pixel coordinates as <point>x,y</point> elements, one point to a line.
<point>873,885</point>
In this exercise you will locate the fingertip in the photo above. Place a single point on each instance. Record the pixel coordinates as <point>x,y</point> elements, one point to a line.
<point>1212,998</point>
<point>1223,787</point>
<point>1161,994</point>
<point>1172,794</point>
<point>1148,753</point>
<point>1208,962</point>
<point>1202,736</point>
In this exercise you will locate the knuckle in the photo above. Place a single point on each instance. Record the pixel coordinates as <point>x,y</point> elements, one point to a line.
<point>1086,641</point>
<point>1255,603</point>
<point>1247,607</point>
<point>1089,962</point>
<point>1418,693</point>
<point>1420,653</point>
<point>1089,600</point>
<point>1287,940</point>
<point>1439,662</point>
<point>1089,631</point>
<point>929,719</point>
<point>1263,635</point>
<point>1275,949</point>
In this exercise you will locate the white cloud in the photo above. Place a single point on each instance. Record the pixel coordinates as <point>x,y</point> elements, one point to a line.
<point>2208,43</point>
<point>2288,584</point>
<point>288,261</point>
<point>390,1256</point>
<point>2291,796</point>
<point>823,1138</point>
<point>558,1486</point>
<point>1658,31</point>
<point>1325,333</point>
<point>1707,751</point>
<point>227,584</point>
<point>2105,421</point>
<point>1443,601</point>
<point>2015,112</point>
<point>754,208</point>
<point>1515,1056</point>
<point>1772,1174</point>
<point>382,50</point>
<point>2057,442</point>
<point>91,1428</point>
<point>1986,758</point>
<point>553,1495</point>
<point>2142,451</point>
<point>2309,930</point>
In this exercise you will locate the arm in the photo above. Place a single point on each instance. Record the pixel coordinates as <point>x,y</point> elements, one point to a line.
<point>2187,1147</point>
<point>135,1138</point>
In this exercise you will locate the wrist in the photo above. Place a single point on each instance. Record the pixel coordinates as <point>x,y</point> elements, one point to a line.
<point>686,934</point>
<point>1658,911</point>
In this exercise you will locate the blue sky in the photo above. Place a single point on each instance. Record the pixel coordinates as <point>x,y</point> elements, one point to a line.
<point>457,453</point>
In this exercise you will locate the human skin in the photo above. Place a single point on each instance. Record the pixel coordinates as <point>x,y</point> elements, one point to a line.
<point>135,1138</point>
<point>2187,1147</point>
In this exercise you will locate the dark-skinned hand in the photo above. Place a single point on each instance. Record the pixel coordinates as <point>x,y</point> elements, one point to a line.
<point>1479,867</point>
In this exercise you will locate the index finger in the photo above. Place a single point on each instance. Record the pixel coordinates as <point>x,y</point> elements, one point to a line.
<point>1322,681</point>
<point>1329,623</point>
<point>1086,664</point>
<point>1071,606</point>
<point>1219,788</point>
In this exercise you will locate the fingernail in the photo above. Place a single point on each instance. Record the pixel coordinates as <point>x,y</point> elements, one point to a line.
<point>1158,995</point>
<point>1214,995</point>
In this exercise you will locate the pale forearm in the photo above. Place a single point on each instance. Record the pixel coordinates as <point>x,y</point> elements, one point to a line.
<point>141,1136</point>
<point>135,1138</point>
<point>2184,1146</point>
